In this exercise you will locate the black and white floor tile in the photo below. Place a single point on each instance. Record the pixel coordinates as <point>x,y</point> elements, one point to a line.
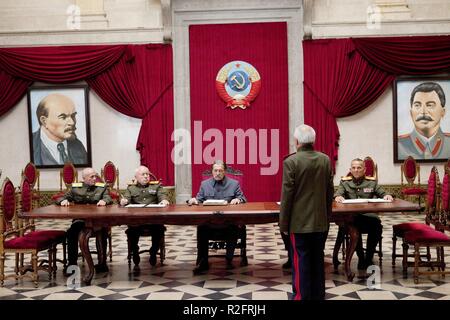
<point>262,279</point>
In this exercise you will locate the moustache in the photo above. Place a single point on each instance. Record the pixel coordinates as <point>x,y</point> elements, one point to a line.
<point>424,117</point>
<point>70,129</point>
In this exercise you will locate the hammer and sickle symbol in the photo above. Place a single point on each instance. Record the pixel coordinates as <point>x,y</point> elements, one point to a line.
<point>238,84</point>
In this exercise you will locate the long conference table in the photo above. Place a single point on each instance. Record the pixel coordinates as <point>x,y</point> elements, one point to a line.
<point>96,218</point>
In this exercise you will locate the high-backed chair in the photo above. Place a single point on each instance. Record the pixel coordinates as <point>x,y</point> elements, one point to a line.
<point>216,244</point>
<point>431,212</point>
<point>371,168</point>
<point>410,171</point>
<point>13,240</point>
<point>67,176</point>
<point>110,175</point>
<point>28,229</point>
<point>33,176</point>
<point>147,233</point>
<point>427,237</point>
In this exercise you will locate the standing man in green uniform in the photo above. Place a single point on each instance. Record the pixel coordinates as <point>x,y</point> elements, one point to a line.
<point>87,192</point>
<point>358,186</point>
<point>144,191</point>
<point>306,198</point>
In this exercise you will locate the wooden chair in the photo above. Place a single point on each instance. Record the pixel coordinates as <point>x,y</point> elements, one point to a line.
<point>218,244</point>
<point>28,228</point>
<point>13,240</point>
<point>427,237</point>
<point>147,233</point>
<point>410,171</point>
<point>431,211</point>
<point>371,168</point>
<point>67,176</point>
<point>33,176</point>
<point>110,175</point>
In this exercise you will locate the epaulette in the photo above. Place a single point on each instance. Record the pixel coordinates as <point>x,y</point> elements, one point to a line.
<point>371,178</point>
<point>154,182</point>
<point>77,184</point>
<point>447,134</point>
<point>404,136</point>
<point>346,178</point>
<point>100,184</point>
<point>288,155</point>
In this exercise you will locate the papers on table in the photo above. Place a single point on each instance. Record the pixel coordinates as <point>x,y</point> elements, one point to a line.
<point>135,205</point>
<point>158,205</point>
<point>353,201</point>
<point>138,205</point>
<point>279,203</point>
<point>212,202</point>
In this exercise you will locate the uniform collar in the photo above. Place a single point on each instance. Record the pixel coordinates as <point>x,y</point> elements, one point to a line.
<point>358,181</point>
<point>306,147</point>
<point>429,147</point>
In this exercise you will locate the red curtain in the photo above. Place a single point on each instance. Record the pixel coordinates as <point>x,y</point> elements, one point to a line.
<point>263,45</point>
<point>12,90</point>
<point>407,55</point>
<point>134,79</point>
<point>140,86</point>
<point>338,83</point>
<point>59,64</point>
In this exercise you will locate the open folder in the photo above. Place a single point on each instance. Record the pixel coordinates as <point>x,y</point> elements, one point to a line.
<point>350,201</point>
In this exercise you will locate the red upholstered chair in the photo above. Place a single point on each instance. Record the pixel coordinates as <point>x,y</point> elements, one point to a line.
<point>67,176</point>
<point>147,233</point>
<point>32,174</point>
<point>28,229</point>
<point>431,211</point>
<point>242,233</point>
<point>13,240</point>
<point>411,172</point>
<point>110,175</point>
<point>428,238</point>
<point>371,168</point>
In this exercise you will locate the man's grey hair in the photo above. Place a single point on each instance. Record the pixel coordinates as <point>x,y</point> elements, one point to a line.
<point>305,134</point>
<point>219,163</point>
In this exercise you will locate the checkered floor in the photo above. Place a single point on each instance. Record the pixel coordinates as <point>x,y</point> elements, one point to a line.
<point>263,278</point>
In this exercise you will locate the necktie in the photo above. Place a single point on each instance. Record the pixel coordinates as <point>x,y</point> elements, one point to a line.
<point>62,153</point>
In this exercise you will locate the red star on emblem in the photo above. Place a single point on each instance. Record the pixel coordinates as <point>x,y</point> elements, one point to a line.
<point>238,65</point>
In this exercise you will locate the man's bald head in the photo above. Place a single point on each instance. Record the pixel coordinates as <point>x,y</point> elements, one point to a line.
<point>89,176</point>
<point>142,175</point>
<point>56,113</point>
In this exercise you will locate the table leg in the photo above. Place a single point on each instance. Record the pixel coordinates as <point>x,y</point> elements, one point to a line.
<point>354,236</point>
<point>83,239</point>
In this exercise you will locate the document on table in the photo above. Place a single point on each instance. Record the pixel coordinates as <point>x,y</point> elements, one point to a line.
<point>279,203</point>
<point>213,202</point>
<point>353,201</point>
<point>135,205</point>
<point>157,205</point>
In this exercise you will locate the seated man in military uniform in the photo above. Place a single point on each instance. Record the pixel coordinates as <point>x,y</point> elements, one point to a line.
<point>144,191</point>
<point>219,187</point>
<point>87,192</point>
<point>359,186</point>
